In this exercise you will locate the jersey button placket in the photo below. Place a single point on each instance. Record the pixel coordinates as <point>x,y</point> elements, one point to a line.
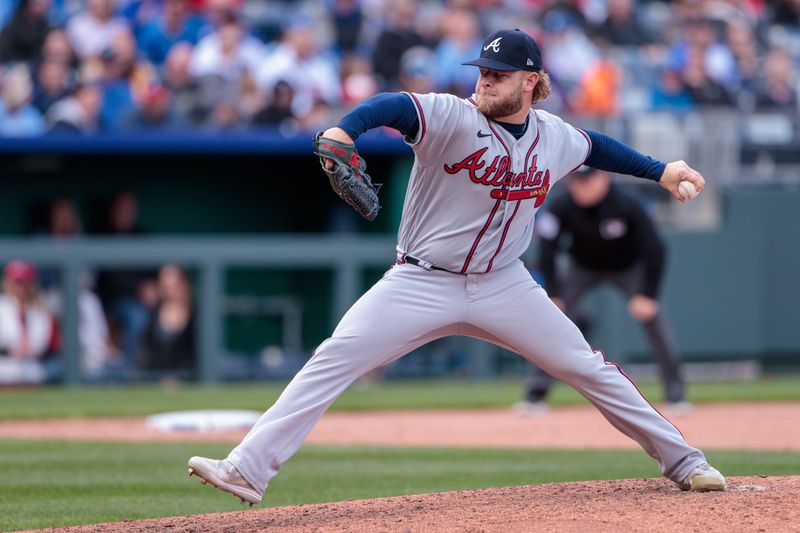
<point>471,286</point>
<point>516,163</point>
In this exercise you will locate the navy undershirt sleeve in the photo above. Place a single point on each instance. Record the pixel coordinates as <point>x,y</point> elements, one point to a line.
<point>610,154</point>
<point>395,110</point>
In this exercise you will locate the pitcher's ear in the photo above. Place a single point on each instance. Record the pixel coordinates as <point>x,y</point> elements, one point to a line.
<point>531,79</point>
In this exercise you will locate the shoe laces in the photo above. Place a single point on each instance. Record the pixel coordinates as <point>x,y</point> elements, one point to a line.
<point>231,470</point>
<point>699,469</point>
<point>703,468</point>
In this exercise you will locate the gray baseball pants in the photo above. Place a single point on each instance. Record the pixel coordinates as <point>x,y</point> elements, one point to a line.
<point>411,306</point>
<point>576,282</point>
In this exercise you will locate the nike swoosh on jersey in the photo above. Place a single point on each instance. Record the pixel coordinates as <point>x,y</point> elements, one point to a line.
<point>481,134</point>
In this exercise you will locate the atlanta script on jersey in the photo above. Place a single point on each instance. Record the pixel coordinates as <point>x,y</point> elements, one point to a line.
<point>474,188</point>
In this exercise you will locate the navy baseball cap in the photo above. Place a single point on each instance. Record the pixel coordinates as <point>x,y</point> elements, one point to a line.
<point>509,50</point>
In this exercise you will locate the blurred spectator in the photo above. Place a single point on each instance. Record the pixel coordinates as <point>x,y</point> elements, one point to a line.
<point>321,113</point>
<point>227,52</point>
<point>168,344</point>
<point>297,61</point>
<point>598,92</point>
<point>358,82</point>
<point>57,47</point>
<point>121,216</point>
<point>53,82</point>
<point>62,10</point>
<point>225,64</point>
<point>347,19</point>
<point>77,113</point>
<point>127,294</point>
<point>154,112</point>
<point>18,118</point>
<point>417,70</point>
<point>176,24</point>
<point>700,43</point>
<point>22,38</point>
<point>670,93</point>
<point>786,12</point>
<point>621,27</point>
<point>62,220</point>
<point>29,334</point>
<point>742,42</point>
<point>400,35</point>
<point>99,359</point>
<point>216,12</point>
<point>138,14</point>
<point>125,80</point>
<point>210,92</point>
<point>92,31</point>
<point>571,11</point>
<point>249,98</point>
<point>778,87</point>
<point>704,90</point>
<point>461,41</point>
<point>567,51</point>
<point>182,86</point>
<point>58,220</point>
<point>226,116</point>
<point>279,109</point>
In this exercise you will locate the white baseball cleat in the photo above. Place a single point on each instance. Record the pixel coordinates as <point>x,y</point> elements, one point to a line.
<point>528,408</point>
<point>679,408</point>
<point>224,476</point>
<point>704,478</point>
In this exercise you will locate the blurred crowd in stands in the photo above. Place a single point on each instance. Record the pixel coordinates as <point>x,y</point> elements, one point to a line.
<point>95,66</point>
<point>212,65</point>
<point>132,323</point>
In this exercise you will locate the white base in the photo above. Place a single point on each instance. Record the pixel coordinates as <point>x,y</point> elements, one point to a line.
<point>203,420</point>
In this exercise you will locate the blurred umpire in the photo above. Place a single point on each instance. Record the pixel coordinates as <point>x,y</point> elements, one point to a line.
<point>608,238</point>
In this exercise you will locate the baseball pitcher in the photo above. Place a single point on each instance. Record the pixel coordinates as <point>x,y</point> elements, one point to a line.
<point>482,168</point>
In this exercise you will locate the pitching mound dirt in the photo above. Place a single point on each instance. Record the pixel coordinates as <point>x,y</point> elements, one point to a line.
<point>752,504</point>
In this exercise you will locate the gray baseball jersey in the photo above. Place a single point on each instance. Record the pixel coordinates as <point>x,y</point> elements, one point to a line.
<point>474,188</point>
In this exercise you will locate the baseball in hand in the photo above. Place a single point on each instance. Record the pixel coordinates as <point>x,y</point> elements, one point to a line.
<point>687,190</point>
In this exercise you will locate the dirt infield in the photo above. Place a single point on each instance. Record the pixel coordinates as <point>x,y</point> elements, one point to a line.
<point>752,504</point>
<point>751,426</point>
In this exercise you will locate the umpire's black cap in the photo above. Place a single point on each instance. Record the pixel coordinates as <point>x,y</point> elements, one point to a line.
<point>582,172</point>
<point>509,50</point>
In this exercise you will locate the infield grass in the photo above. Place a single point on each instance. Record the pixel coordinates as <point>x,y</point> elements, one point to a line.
<point>138,400</point>
<point>48,484</point>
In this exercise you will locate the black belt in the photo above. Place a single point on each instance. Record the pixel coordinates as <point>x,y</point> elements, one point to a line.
<point>411,260</point>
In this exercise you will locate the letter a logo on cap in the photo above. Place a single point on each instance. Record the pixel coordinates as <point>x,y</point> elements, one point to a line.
<point>494,45</point>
